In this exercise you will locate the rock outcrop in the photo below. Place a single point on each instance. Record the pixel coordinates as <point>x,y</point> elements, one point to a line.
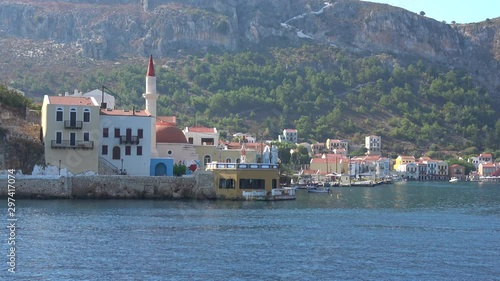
<point>99,29</point>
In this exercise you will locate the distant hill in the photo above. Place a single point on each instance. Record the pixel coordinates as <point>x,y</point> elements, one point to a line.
<point>340,69</point>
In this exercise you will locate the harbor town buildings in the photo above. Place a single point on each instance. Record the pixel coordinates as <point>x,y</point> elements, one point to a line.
<point>85,132</point>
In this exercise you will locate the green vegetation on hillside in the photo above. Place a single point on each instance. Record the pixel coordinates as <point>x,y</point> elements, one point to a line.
<point>322,92</point>
<point>19,148</point>
<point>13,98</point>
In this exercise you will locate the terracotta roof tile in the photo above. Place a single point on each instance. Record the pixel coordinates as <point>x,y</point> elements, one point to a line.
<point>122,112</point>
<point>167,119</point>
<point>87,101</point>
<point>201,130</point>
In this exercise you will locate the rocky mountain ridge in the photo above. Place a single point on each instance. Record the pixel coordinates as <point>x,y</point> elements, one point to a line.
<point>117,29</point>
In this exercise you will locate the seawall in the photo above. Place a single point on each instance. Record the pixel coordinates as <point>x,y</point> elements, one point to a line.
<point>198,186</point>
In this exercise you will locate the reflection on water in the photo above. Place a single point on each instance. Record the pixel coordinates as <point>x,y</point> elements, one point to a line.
<point>408,231</point>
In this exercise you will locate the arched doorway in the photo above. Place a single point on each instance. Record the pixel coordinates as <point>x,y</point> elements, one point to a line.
<point>160,169</point>
<point>116,153</point>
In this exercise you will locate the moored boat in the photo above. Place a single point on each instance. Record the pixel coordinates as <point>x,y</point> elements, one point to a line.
<point>319,190</point>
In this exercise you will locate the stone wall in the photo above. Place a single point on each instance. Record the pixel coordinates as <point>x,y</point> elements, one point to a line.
<point>199,186</point>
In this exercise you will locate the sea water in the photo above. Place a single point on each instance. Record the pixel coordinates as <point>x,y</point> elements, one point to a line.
<point>402,231</point>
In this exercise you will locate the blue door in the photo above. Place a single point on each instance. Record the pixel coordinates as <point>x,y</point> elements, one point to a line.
<point>160,169</point>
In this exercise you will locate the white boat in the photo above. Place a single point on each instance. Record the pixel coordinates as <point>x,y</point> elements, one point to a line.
<point>453,179</point>
<point>318,190</point>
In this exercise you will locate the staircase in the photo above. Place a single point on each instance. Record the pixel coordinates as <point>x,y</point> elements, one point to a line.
<point>106,168</point>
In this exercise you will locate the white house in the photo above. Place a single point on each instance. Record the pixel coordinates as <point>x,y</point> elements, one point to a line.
<point>289,135</point>
<point>124,140</point>
<point>201,135</point>
<point>373,145</point>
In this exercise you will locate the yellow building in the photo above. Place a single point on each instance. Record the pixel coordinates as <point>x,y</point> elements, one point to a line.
<point>244,180</point>
<point>403,160</point>
<point>70,132</point>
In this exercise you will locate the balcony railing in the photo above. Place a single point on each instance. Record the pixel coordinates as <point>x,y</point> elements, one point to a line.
<point>69,124</point>
<point>129,140</point>
<point>79,144</point>
<point>240,166</point>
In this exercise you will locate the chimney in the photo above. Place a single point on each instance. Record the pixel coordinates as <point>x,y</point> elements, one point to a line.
<point>103,104</point>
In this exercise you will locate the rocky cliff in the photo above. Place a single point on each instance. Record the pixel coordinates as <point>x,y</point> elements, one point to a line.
<point>99,29</point>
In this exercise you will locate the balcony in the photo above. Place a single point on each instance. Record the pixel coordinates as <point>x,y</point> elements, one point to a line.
<point>129,140</point>
<point>79,144</point>
<point>69,124</point>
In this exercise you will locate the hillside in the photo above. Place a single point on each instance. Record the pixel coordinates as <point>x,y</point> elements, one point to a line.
<point>342,69</point>
<point>19,135</point>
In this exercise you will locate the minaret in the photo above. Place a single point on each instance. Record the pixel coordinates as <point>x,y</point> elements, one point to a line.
<point>151,96</point>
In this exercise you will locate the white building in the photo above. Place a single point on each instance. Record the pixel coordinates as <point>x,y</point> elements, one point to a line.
<point>201,135</point>
<point>289,135</point>
<point>124,141</point>
<point>373,145</point>
<point>242,136</point>
<point>172,143</point>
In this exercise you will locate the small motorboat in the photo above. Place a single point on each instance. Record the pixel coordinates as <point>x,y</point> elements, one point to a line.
<point>318,190</point>
<point>453,179</point>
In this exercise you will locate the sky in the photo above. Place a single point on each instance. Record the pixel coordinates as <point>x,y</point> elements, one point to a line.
<point>460,11</point>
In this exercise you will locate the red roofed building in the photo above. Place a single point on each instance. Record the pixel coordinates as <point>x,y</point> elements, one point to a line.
<point>485,158</point>
<point>486,169</point>
<point>330,163</point>
<point>70,127</point>
<point>289,135</point>
<point>167,119</point>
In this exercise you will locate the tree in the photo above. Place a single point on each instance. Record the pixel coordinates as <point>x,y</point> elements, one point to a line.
<point>422,13</point>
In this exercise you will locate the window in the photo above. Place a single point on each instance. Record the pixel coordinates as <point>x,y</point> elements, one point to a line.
<point>207,159</point>
<point>86,115</point>
<point>238,160</point>
<point>59,114</point>
<point>139,150</point>
<point>226,183</point>
<point>72,117</point>
<point>58,137</point>
<point>275,184</point>
<point>117,132</point>
<point>105,132</point>
<point>104,150</point>
<point>190,140</point>
<point>228,160</point>
<point>72,139</point>
<point>252,184</point>
<point>140,133</point>
<point>86,136</point>
<point>127,150</point>
<point>116,153</point>
<point>207,141</point>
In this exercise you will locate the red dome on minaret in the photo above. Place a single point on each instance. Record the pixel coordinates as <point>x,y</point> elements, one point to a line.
<point>151,67</point>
